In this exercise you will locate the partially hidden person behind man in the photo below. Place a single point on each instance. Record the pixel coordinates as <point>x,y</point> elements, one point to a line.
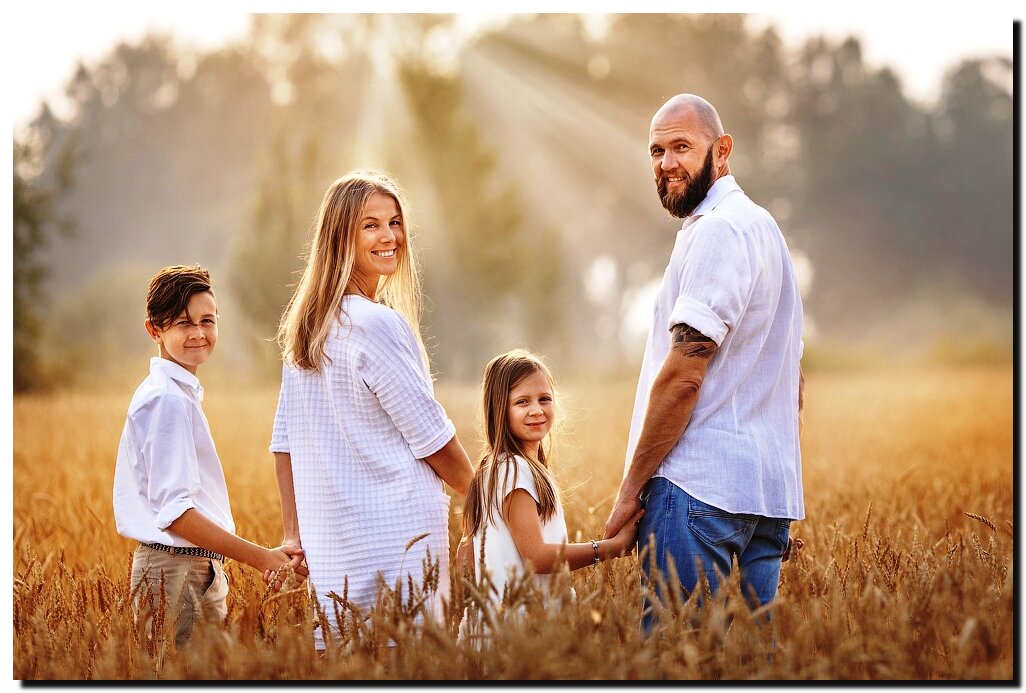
<point>361,445</point>
<point>713,453</point>
<point>169,488</point>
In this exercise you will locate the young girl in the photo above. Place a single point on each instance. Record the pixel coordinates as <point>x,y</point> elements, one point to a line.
<point>513,512</point>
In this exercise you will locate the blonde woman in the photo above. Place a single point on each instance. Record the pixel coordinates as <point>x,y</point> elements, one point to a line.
<point>361,446</point>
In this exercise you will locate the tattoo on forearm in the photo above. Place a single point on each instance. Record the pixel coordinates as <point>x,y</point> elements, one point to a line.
<point>690,341</point>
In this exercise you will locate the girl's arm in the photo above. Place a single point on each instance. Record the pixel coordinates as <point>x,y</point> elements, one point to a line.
<point>521,514</point>
<point>195,527</point>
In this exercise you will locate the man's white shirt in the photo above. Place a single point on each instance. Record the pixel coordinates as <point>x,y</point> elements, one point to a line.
<point>730,277</point>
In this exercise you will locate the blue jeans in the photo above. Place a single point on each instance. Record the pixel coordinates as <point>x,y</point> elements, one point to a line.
<point>701,537</point>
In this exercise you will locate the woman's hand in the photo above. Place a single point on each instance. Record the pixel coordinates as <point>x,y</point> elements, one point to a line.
<point>289,555</point>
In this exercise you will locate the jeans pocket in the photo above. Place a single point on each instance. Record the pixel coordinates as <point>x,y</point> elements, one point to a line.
<point>717,527</point>
<point>781,533</point>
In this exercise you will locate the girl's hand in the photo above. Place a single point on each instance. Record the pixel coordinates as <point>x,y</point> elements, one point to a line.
<point>627,537</point>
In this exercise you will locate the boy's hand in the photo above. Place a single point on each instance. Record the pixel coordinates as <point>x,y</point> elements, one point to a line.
<point>285,558</point>
<point>292,548</point>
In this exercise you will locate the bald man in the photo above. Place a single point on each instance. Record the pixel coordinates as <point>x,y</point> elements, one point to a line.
<point>713,453</point>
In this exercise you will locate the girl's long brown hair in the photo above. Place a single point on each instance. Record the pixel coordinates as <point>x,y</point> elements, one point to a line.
<point>501,375</point>
<point>316,305</point>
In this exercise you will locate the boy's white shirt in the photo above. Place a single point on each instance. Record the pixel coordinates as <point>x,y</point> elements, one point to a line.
<point>167,462</point>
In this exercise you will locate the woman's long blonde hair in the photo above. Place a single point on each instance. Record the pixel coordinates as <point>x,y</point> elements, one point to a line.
<point>316,305</point>
<point>501,375</point>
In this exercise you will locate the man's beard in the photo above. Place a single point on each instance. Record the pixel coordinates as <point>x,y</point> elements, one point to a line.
<point>684,203</point>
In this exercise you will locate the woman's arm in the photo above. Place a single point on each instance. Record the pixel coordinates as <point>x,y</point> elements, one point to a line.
<point>287,494</point>
<point>521,514</point>
<point>452,465</point>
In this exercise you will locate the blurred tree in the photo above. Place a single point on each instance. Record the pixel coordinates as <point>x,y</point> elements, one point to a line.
<point>117,119</point>
<point>973,174</point>
<point>860,184</point>
<point>569,108</point>
<point>166,156</point>
<point>502,284</point>
<point>306,142</point>
<point>164,169</point>
<point>524,152</point>
<point>102,336</point>
<point>266,254</point>
<point>36,220</point>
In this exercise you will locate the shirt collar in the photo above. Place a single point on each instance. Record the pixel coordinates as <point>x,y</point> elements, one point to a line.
<point>721,187</point>
<point>178,374</point>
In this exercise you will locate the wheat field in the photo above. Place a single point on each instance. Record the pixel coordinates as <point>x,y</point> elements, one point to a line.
<point>907,571</point>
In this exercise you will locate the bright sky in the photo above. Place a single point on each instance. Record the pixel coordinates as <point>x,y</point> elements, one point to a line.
<point>46,39</point>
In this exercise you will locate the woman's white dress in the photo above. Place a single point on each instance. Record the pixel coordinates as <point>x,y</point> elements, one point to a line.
<point>357,431</point>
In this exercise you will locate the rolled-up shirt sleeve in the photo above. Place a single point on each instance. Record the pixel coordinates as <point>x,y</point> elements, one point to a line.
<point>279,433</point>
<point>169,457</point>
<point>715,280</point>
<point>392,368</point>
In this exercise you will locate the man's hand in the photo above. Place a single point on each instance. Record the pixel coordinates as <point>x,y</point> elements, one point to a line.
<point>670,405</point>
<point>624,510</point>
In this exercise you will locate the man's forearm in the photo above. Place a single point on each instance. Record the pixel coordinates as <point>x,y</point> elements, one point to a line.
<point>670,405</point>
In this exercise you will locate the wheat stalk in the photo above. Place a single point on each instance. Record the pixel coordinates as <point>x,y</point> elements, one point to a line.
<point>981,518</point>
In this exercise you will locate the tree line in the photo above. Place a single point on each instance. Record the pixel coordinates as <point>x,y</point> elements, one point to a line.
<point>524,154</point>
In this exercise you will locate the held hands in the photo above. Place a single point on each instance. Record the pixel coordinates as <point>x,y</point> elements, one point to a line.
<point>627,536</point>
<point>284,560</point>
<point>625,509</point>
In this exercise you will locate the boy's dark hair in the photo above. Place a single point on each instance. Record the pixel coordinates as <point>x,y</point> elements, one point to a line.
<point>170,291</point>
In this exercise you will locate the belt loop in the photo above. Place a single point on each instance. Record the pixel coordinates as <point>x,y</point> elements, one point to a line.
<point>173,551</point>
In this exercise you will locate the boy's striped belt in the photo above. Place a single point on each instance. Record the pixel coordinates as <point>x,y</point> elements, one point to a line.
<point>186,551</point>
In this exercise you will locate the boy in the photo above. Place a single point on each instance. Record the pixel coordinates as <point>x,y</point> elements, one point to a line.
<point>169,488</point>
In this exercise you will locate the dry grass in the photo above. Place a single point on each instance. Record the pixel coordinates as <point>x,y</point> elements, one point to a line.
<point>907,571</point>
